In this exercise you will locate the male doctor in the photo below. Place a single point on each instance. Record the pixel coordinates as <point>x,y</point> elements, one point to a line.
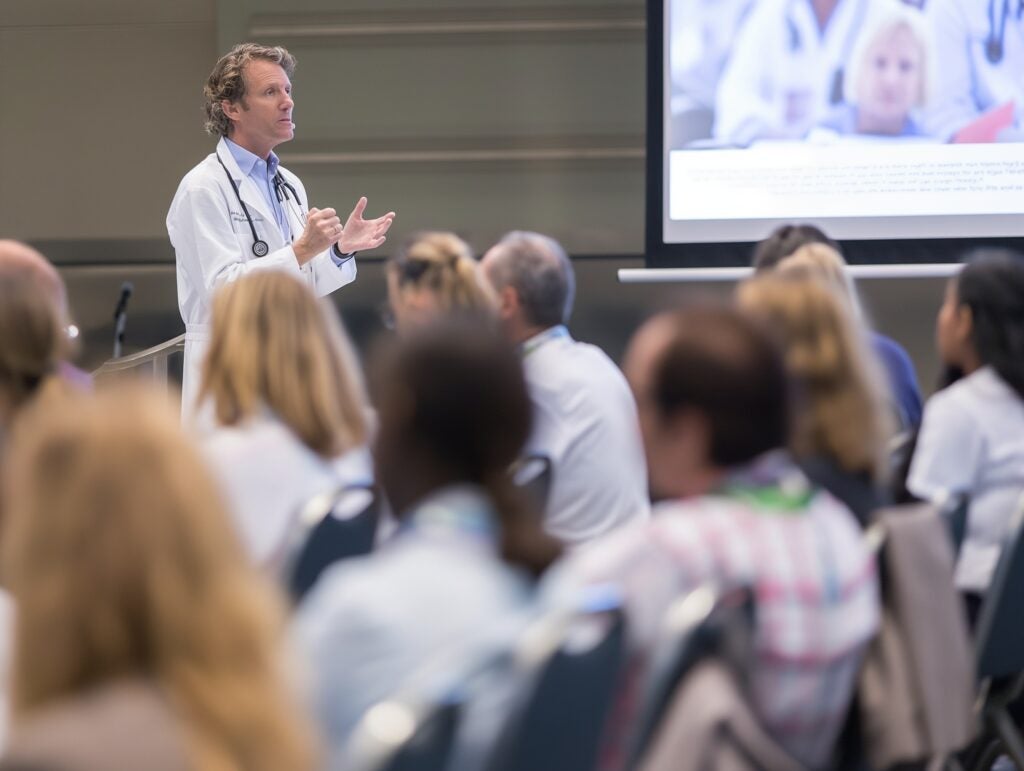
<point>239,210</point>
<point>979,66</point>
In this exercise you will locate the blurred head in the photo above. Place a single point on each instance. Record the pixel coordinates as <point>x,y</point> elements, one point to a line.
<point>711,393</point>
<point>274,345</point>
<point>16,256</point>
<point>534,281</point>
<point>433,274</point>
<point>129,568</point>
<point>841,414</point>
<point>454,409</point>
<point>785,240</point>
<point>826,264</point>
<point>32,339</point>
<point>889,77</point>
<point>982,319</point>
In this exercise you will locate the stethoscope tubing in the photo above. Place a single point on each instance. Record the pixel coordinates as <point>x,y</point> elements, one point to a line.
<point>261,248</point>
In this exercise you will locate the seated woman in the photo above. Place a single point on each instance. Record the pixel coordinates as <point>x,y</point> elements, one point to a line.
<point>143,639</point>
<point>785,240</point>
<point>289,404</point>
<point>452,585</point>
<point>434,273</point>
<point>887,77</point>
<point>972,435</point>
<point>841,428</point>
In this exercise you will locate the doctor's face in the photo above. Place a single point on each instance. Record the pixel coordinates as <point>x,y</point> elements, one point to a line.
<point>262,119</point>
<point>891,82</point>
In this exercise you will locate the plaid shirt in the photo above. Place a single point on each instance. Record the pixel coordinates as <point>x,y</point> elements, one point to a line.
<point>814,581</point>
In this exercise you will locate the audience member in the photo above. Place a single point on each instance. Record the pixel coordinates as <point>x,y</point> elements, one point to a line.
<point>713,395</point>
<point>17,257</point>
<point>32,343</point>
<point>289,405</point>
<point>454,413</point>
<point>905,393</point>
<point>972,435</point>
<point>142,638</point>
<point>434,273</point>
<point>584,414</point>
<point>840,430</point>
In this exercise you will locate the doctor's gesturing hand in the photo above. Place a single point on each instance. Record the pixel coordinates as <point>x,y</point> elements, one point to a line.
<point>323,228</point>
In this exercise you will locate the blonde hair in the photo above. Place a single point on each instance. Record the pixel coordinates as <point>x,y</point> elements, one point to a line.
<point>843,414</point>
<point>443,264</point>
<point>273,344</point>
<point>828,265</point>
<point>896,16</point>
<point>123,564</point>
<point>32,339</point>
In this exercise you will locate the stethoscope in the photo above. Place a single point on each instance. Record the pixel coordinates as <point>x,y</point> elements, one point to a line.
<point>796,43</point>
<point>283,189</point>
<point>994,46</point>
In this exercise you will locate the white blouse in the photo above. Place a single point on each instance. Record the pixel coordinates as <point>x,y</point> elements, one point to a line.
<point>267,474</point>
<point>972,441</point>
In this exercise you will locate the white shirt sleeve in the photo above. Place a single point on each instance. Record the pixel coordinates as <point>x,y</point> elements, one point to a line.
<point>949,450</point>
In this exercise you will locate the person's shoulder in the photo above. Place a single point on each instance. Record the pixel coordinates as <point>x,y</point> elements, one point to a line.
<point>577,362</point>
<point>966,396</point>
<point>205,175</point>
<point>887,348</point>
<point>126,724</point>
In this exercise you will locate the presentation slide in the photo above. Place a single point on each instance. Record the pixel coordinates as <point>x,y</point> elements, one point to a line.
<point>876,119</point>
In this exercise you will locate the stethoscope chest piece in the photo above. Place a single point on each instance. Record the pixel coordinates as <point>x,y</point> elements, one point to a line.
<point>260,248</point>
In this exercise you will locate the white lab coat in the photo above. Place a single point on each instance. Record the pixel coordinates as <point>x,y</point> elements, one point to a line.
<point>780,76</point>
<point>213,246</point>
<point>967,83</point>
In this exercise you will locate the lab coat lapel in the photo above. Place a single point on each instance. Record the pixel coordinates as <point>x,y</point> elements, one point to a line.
<point>268,229</point>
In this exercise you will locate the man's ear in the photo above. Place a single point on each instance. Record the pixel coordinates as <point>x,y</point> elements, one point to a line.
<point>230,109</point>
<point>508,302</point>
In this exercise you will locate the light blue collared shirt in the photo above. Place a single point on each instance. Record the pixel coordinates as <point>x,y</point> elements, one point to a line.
<point>262,173</point>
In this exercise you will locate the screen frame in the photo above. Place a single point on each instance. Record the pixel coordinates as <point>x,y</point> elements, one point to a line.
<point>659,254</point>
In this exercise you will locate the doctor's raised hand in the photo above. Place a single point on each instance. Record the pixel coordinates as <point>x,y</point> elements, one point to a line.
<point>361,234</point>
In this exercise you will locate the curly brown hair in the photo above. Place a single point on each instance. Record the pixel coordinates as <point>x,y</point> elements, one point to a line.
<point>227,81</point>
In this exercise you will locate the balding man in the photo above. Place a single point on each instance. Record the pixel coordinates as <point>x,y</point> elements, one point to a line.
<point>16,257</point>
<point>585,418</point>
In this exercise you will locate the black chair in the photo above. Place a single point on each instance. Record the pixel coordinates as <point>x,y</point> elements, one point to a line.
<point>405,734</point>
<point>329,528</point>
<point>532,474</point>
<point>573,662</point>
<point>702,622</point>
<point>999,643</point>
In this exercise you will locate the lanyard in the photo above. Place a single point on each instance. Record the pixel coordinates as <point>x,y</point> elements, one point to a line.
<point>539,340</point>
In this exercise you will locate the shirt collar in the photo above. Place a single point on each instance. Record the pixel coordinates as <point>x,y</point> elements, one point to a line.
<point>772,480</point>
<point>462,511</point>
<point>247,161</point>
<point>556,332</point>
